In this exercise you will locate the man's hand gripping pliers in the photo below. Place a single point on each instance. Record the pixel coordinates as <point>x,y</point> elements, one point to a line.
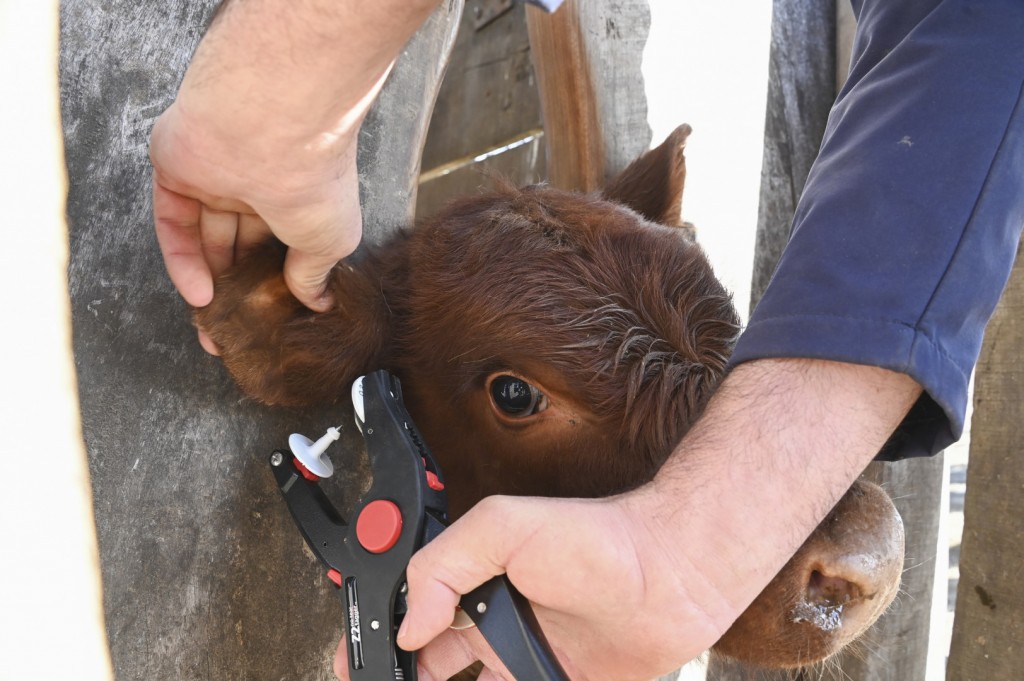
<point>405,508</point>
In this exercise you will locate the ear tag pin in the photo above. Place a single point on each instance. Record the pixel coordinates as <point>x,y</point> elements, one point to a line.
<point>312,454</point>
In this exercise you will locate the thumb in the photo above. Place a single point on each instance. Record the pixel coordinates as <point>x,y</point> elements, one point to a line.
<point>474,549</point>
<point>306,275</point>
<point>317,240</point>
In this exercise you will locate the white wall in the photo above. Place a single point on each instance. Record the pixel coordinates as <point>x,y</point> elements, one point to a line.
<point>706,64</point>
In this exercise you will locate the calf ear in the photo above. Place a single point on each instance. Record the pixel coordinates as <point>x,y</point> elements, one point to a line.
<point>652,185</point>
<point>282,353</point>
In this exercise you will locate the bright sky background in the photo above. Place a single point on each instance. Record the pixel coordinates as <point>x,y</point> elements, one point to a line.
<point>706,64</point>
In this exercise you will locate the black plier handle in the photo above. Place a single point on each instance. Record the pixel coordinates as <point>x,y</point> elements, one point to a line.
<point>405,508</point>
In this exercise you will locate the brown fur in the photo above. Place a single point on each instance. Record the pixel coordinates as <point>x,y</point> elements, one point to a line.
<point>618,321</point>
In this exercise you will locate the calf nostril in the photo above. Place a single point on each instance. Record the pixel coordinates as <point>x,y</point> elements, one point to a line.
<point>825,589</point>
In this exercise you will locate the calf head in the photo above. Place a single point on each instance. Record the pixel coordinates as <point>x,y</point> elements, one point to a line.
<point>553,344</point>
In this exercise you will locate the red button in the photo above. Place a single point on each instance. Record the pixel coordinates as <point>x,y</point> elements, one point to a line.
<point>379,526</point>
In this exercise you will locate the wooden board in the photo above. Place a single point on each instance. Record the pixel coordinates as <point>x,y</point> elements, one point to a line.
<point>897,646</point>
<point>489,93</point>
<point>521,160</point>
<point>800,95</point>
<point>205,576</point>
<point>392,137</point>
<point>988,632</point>
<point>487,106</point>
<point>587,56</point>
<point>801,81</point>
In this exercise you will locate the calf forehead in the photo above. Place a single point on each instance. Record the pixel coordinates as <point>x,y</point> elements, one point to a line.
<point>580,284</point>
<point>538,259</point>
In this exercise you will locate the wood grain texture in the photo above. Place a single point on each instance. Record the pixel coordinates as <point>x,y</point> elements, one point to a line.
<point>988,633</point>
<point>587,56</point>
<point>800,94</point>
<point>489,93</point>
<point>896,647</point>
<point>801,89</point>
<point>391,138</point>
<point>205,575</point>
<point>487,101</point>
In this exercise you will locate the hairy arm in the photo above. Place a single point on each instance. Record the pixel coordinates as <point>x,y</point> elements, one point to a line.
<point>261,138</point>
<point>636,585</point>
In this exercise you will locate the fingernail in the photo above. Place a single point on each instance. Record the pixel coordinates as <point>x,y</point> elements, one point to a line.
<point>324,302</point>
<point>403,631</point>
<point>207,344</point>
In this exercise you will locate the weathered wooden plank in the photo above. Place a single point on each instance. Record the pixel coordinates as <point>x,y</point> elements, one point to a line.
<point>897,646</point>
<point>800,94</point>
<point>488,101</point>
<point>801,81</point>
<point>489,93</point>
<point>49,570</point>
<point>205,575</point>
<point>587,56</point>
<point>988,632</point>
<point>391,138</point>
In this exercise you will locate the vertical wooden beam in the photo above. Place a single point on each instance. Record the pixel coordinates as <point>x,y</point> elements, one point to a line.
<point>587,57</point>
<point>801,89</point>
<point>896,648</point>
<point>988,632</point>
<point>487,114</point>
<point>801,82</point>
<point>392,136</point>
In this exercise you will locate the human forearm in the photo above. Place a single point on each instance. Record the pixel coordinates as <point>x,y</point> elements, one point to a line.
<point>295,69</point>
<point>676,561</point>
<point>781,442</point>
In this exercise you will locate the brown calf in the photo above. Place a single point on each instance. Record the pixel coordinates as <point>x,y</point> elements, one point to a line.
<point>554,344</point>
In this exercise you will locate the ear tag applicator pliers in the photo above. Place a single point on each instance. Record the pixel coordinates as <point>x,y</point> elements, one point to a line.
<point>405,507</point>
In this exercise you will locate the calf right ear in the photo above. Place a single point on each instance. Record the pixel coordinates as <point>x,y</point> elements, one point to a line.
<point>652,185</point>
<point>282,353</point>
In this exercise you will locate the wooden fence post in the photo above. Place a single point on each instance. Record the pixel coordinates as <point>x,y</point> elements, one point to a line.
<point>205,576</point>
<point>391,138</point>
<point>988,632</point>
<point>587,57</point>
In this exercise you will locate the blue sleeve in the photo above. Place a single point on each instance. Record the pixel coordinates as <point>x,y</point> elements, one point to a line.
<point>905,235</point>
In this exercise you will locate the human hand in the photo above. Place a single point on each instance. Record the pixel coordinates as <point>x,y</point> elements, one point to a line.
<point>214,199</point>
<point>586,566</point>
<point>261,139</point>
<point>635,585</point>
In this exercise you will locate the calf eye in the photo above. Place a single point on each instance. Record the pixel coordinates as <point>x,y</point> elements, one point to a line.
<point>516,397</point>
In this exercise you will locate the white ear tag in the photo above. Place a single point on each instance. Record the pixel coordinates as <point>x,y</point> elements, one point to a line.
<point>311,454</point>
